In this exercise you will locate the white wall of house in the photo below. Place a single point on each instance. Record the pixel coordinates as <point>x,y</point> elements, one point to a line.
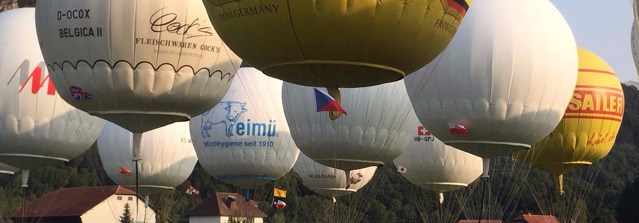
<point>111,209</point>
<point>216,219</point>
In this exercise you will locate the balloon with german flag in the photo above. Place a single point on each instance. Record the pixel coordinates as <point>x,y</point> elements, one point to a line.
<point>590,124</point>
<point>339,43</point>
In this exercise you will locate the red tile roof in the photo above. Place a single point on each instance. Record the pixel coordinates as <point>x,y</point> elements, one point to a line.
<point>68,202</point>
<point>531,218</point>
<point>223,205</point>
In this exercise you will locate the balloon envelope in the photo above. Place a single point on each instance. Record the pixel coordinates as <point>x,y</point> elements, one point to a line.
<point>245,139</point>
<point>141,64</point>
<point>6,169</point>
<point>590,125</point>
<point>504,81</point>
<point>338,43</point>
<point>37,127</point>
<point>167,157</point>
<point>374,131</point>
<point>330,181</point>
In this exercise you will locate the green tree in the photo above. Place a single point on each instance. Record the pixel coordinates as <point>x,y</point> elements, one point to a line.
<point>126,216</point>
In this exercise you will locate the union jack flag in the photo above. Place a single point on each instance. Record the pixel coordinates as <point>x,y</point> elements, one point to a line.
<point>78,94</point>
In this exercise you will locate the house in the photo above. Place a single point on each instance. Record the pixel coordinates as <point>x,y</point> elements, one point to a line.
<point>83,205</point>
<point>226,207</point>
<point>532,218</point>
<point>482,221</point>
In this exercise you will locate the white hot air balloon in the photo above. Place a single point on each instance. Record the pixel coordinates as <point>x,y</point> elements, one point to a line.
<point>6,169</point>
<point>330,181</point>
<point>432,165</point>
<point>371,134</point>
<point>245,139</point>
<point>504,81</point>
<point>168,157</point>
<point>140,64</point>
<point>37,127</point>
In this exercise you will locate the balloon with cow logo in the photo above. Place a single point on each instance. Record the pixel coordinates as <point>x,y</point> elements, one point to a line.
<point>374,132</point>
<point>167,157</point>
<point>339,43</point>
<point>590,125</point>
<point>430,164</point>
<point>330,181</point>
<point>37,127</point>
<point>6,169</point>
<point>140,64</point>
<point>245,139</point>
<point>504,81</point>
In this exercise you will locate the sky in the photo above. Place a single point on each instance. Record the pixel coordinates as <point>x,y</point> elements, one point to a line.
<point>603,27</point>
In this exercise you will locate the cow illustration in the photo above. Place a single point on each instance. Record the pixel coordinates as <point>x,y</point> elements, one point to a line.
<point>233,110</point>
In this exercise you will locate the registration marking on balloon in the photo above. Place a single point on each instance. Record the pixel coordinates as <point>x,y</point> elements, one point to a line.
<point>82,31</point>
<point>225,127</point>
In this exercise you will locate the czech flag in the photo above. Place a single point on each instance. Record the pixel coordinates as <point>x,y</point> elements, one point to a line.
<point>457,129</point>
<point>325,102</point>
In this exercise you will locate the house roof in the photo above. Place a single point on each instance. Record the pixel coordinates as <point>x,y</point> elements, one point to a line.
<point>482,221</point>
<point>533,218</point>
<point>226,204</point>
<point>68,202</point>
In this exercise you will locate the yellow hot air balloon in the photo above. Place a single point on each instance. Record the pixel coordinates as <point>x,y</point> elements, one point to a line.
<point>340,43</point>
<point>590,125</point>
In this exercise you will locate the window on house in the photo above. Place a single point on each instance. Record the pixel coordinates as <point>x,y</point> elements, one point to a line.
<point>130,198</point>
<point>119,198</point>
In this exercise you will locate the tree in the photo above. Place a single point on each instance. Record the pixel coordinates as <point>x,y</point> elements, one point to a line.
<point>8,4</point>
<point>126,216</point>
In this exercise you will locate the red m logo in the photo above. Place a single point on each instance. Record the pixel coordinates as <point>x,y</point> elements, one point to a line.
<point>38,78</point>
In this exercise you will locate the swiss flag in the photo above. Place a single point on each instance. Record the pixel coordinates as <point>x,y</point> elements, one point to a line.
<point>457,129</point>
<point>422,131</point>
<point>191,190</point>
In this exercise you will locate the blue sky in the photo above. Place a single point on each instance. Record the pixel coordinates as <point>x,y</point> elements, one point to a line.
<point>603,27</point>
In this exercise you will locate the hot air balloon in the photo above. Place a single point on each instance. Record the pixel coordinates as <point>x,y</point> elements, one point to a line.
<point>337,43</point>
<point>504,81</point>
<point>590,125</point>
<point>140,64</point>
<point>168,157</point>
<point>245,140</point>
<point>330,181</point>
<point>432,165</point>
<point>6,169</point>
<point>37,127</point>
<point>374,131</point>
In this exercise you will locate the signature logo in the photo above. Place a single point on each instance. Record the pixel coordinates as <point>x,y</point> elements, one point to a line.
<point>168,22</point>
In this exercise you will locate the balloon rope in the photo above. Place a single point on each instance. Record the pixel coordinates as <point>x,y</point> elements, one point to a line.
<point>137,140</point>
<point>481,204</point>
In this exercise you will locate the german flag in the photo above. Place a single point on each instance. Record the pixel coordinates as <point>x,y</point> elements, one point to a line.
<point>456,8</point>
